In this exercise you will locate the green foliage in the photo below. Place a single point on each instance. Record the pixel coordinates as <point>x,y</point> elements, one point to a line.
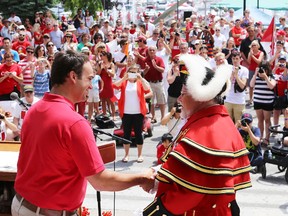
<point>24,8</point>
<point>91,5</point>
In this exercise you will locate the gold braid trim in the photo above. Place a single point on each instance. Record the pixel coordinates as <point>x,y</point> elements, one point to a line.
<point>201,189</point>
<point>214,152</point>
<point>209,170</point>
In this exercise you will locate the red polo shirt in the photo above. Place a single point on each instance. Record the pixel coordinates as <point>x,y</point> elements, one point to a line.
<point>153,74</point>
<point>58,152</point>
<point>7,85</point>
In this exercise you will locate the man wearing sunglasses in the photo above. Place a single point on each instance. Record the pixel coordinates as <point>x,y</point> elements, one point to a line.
<point>25,66</point>
<point>21,44</point>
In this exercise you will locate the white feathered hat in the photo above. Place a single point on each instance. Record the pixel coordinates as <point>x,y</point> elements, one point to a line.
<point>202,83</point>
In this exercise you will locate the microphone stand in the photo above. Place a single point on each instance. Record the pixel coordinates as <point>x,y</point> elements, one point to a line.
<point>98,195</point>
<point>96,131</point>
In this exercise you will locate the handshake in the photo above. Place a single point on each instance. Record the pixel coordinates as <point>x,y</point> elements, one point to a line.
<point>150,184</point>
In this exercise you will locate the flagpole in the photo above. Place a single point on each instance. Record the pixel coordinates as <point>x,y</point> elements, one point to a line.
<point>244,5</point>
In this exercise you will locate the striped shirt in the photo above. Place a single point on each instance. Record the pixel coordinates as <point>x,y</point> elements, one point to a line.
<point>41,83</point>
<point>27,79</point>
<point>262,93</point>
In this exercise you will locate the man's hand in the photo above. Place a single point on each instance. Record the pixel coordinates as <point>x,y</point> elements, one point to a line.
<point>149,179</point>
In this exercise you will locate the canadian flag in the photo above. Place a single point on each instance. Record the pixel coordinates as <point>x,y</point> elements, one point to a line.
<point>268,39</point>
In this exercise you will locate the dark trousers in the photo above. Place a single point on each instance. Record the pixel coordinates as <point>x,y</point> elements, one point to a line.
<point>134,121</point>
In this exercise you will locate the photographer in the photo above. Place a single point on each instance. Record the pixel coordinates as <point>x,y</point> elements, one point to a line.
<point>132,107</point>
<point>5,124</point>
<point>235,98</point>
<point>173,119</point>
<point>175,83</point>
<point>281,76</point>
<point>251,137</point>
<point>263,83</point>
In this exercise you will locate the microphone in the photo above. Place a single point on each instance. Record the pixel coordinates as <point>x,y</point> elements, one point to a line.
<point>14,96</point>
<point>95,130</point>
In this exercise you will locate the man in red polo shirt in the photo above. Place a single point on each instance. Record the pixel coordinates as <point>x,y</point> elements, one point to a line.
<point>55,163</point>
<point>153,73</point>
<point>10,77</point>
<point>141,52</point>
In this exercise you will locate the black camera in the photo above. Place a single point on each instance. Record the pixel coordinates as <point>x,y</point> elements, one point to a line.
<point>177,33</point>
<point>261,70</point>
<point>2,116</point>
<point>178,108</point>
<point>244,122</point>
<point>282,65</point>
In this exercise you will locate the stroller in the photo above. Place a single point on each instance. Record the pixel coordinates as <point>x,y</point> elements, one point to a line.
<point>276,154</point>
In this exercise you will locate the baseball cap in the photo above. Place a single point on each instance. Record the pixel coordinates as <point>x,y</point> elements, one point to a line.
<point>28,88</point>
<point>259,23</point>
<point>85,50</point>
<point>281,32</point>
<point>247,116</point>
<point>141,38</point>
<point>282,57</point>
<point>21,27</point>
<point>106,20</point>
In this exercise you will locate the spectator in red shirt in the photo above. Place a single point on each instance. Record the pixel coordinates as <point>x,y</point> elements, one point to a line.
<point>10,77</point>
<point>21,45</point>
<point>166,139</point>
<point>140,53</point>
<point>153,73</point>
<point>281,76</point>
<point>237,32</point>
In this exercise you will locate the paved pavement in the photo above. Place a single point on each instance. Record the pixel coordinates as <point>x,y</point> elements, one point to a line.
<point>267,197</point>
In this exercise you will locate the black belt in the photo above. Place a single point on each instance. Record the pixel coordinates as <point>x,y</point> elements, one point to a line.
<point>156,81</point>
<point>43,211</point>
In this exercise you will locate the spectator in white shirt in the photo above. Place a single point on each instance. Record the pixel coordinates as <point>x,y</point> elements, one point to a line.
<point>219,39</point>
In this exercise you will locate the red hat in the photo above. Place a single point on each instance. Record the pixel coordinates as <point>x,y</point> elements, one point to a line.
<point>281,32</point>
<point>259,23</point>
<point>141,38</point>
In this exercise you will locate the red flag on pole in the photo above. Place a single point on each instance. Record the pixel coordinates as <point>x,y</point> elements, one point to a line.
<point>269,37</point>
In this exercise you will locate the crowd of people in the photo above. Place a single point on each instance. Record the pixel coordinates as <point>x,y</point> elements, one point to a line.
<point>29,48</point>
<point>130,70</point>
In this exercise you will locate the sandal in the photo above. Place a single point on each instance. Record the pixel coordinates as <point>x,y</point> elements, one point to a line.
<point>125,159</point>
<point>140,160</point>
<point>153,121</point>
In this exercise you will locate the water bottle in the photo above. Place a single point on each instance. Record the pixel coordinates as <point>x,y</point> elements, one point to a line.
<point>269,154</point>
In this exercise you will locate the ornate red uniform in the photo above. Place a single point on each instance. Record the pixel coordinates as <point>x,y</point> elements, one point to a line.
<point>207,166</point>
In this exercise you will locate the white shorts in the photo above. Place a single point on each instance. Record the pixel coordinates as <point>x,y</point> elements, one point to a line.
<point>93,97</point>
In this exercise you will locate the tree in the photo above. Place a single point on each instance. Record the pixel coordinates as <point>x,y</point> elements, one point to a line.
<point>91,5</point>
<point>23,8</point>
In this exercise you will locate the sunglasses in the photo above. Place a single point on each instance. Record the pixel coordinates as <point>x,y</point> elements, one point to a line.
<point>46,37</point>
<point>68,36</point>
<point>50,45</point>
<point>21,35</point>
<point>50,59</point>
<point>140,41</point>
<point>218,30</point>
<point>30,52</point>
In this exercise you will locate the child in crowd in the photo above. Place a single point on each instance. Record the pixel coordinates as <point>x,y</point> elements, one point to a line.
<point>93,96</point>
<point>166,139</point>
